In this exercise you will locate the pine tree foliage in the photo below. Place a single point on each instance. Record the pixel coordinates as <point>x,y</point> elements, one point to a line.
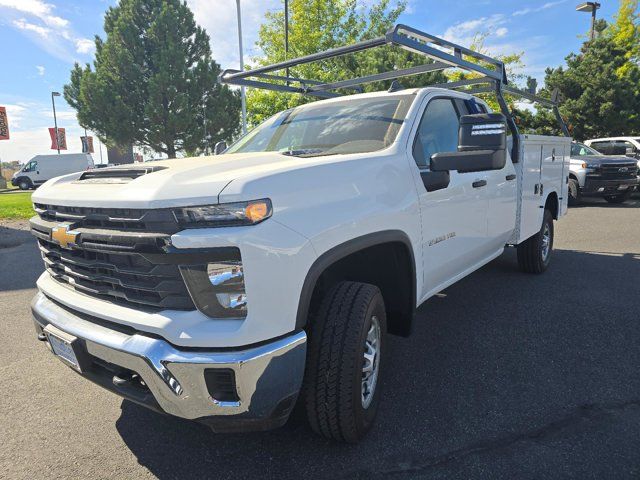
<point>153,81</point>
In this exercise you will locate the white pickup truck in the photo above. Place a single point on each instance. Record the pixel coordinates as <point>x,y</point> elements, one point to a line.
<point>225,289</point>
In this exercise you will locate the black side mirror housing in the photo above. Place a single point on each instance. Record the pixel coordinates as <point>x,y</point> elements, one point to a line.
<point>482,145</point>
<point>219,147</point>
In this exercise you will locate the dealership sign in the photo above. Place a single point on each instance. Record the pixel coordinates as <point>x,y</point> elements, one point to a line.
<point>4,124</point>
<point>60,142</point>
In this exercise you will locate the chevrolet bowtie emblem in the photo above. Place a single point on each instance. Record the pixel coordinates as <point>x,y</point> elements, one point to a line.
<point>63,236</point>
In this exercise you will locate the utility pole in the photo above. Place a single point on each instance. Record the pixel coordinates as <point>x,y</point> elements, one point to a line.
<point>242,91</point>
<point>590,7</point>
<point>55,120</point>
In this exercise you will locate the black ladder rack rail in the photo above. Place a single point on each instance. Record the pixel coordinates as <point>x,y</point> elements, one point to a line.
<point>441,53</point>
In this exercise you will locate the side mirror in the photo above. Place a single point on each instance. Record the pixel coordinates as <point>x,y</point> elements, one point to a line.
<point>219,147</point>
<point>482,145</point>
<point>631,152</point>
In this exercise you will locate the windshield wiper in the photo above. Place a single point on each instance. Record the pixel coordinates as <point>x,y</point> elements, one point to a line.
<point>302,151</point>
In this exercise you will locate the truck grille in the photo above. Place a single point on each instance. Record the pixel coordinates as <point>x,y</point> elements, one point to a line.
<point>118,255</point>
<point>123,219</point>
<point>613,171</point>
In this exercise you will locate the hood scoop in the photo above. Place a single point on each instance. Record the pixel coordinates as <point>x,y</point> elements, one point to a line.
<point>116,174</point>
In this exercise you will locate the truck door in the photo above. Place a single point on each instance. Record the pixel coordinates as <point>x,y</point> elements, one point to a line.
<point>32,170</point>
<point>454,219</point>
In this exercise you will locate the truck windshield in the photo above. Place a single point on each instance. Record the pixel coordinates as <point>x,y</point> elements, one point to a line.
<point>580,150</point>
<point>354,125</point>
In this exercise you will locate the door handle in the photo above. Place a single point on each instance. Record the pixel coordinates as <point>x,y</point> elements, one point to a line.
<point>479,183</point>
<point>510,177</point>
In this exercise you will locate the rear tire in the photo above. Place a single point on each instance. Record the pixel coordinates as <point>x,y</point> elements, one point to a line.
<point>574,192</point>
<point>618,198</point>
<point>534,254</point>
<point>346,338</point>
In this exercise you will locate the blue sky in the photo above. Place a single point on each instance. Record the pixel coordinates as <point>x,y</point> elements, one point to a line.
<point>41,39</point>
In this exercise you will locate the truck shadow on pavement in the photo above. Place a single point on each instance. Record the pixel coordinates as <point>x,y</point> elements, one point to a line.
<point>586,202</point>
<point>20,263</point>
<point>505,374</point>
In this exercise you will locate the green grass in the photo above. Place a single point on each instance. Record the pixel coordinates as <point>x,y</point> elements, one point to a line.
<point>16,205</point>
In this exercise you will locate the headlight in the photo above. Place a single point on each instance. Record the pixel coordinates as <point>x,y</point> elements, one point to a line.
<point>224,214</point>
<point>217,288</point>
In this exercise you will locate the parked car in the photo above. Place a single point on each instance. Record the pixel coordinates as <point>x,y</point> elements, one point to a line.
<point>222,289</point>
<point>45,167</point>
<point>594,174</point>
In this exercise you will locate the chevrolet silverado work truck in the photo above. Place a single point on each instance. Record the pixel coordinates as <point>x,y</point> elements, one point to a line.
<point>226,289</point>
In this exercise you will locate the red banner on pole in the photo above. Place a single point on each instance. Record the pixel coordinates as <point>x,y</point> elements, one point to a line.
<point>87,144</point>
<point>61,141</point>
<point>4,124</point>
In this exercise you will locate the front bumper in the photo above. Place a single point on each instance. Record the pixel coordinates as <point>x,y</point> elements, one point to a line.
<point>267,377</point>
<point>594,186</point>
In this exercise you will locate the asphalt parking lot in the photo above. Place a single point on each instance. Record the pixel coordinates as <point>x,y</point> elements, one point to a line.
<point>506,376</point>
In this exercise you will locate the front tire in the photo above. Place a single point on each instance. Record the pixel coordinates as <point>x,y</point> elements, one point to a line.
<point>24,184</point>
<point>574,192</point>
<point>346,338</point>
<point>534,254</point>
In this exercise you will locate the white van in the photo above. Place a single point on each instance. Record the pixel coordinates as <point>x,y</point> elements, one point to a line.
<point>45,167</point>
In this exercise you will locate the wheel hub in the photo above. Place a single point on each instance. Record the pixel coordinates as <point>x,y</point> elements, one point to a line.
<point>371,362</point>
<point>546,242</point>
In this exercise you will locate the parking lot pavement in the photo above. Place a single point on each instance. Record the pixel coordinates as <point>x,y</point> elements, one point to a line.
<point>506,376</point>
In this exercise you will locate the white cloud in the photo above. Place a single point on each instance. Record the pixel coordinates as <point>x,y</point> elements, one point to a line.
<point>15,114</point>
<point>40,69</point>
<point>41,31</point>
<point>464,32</point>
<point>84,45</point>
<point>546,6</point>
<point>54,34</point>
<point>37,8</point>
<point>219,18</point>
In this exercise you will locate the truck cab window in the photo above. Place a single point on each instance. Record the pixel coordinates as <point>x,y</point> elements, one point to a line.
<point>30,167</point>
<point>603,147</point>
<point>438,131</point>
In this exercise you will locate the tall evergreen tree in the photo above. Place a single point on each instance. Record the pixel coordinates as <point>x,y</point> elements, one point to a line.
<point>154,82</point>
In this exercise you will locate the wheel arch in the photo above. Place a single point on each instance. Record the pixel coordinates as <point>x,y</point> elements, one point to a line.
<point>393,253</point>
<point>24,177</point>
<point>552,204</point>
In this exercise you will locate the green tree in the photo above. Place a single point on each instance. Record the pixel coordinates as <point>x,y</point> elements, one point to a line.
<point>625,32</point>
<point>154,83</point>
<point>600,86</point>
<point>317,25</point>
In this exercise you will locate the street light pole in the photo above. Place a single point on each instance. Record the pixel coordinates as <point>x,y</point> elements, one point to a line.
<point>242,91</point>
<point>55,120</point>
<point>286,34</point>
<point>590,7</point>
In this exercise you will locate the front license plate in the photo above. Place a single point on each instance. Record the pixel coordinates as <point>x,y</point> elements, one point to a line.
<point>623,187</point>
<point>63,348</point>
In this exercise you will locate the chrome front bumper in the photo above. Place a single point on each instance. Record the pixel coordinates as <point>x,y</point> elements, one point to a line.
<point>267,377</point>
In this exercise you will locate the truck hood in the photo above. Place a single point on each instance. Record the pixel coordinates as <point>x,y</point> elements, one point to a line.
<point>161,184</point>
